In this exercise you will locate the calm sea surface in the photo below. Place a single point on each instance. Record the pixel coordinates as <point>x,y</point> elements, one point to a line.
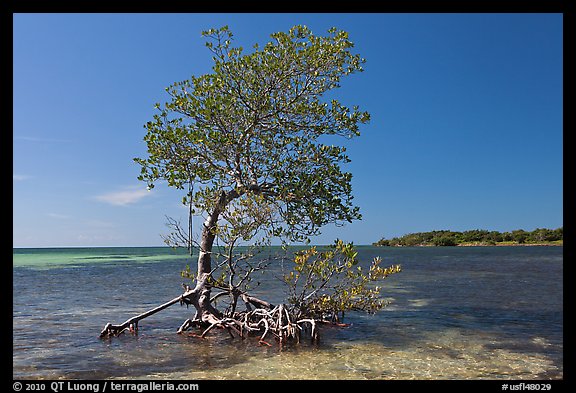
<point>456,313</point>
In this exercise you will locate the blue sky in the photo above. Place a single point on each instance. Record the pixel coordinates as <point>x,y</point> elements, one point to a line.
<point>466,120</point>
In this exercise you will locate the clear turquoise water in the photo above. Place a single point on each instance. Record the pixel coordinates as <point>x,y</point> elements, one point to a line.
<point>456,313</point>
<point>50,258</point>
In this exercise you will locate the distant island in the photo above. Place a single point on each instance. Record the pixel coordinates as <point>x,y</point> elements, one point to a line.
<point>478,237</point>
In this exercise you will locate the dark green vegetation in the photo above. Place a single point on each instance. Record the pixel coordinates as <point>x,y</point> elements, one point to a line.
<point>477,237</point>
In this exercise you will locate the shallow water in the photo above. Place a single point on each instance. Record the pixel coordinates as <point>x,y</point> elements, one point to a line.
<point>455,313</point>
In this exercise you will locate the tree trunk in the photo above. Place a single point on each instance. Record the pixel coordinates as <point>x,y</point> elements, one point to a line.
<point>205,311</point>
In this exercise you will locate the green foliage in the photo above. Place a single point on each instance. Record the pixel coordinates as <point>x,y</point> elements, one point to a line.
<point>545,235</point>
<point>252,128</point>
<point>332,281</point>
<point>444,241</point>
<point>187,273</point>
<point>475,236</point>
<point>519,236</point>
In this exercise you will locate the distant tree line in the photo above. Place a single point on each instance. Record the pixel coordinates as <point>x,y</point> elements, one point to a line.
<point>474,236</point>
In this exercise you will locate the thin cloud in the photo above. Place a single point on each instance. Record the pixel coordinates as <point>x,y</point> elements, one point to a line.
<point>124,197</point>
<point>58,216</point>
<point>16,177</point>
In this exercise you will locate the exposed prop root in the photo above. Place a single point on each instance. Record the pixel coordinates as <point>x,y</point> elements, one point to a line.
<point>261,321</point>
<point>185,326</point>
<point>131,324</point>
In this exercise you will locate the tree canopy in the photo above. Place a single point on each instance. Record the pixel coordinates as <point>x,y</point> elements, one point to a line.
<point>255,129</point>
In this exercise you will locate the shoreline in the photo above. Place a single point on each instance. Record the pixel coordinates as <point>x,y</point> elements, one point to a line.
<point>478,237</point>
<point>504,244</point>
<point>480,244</point>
